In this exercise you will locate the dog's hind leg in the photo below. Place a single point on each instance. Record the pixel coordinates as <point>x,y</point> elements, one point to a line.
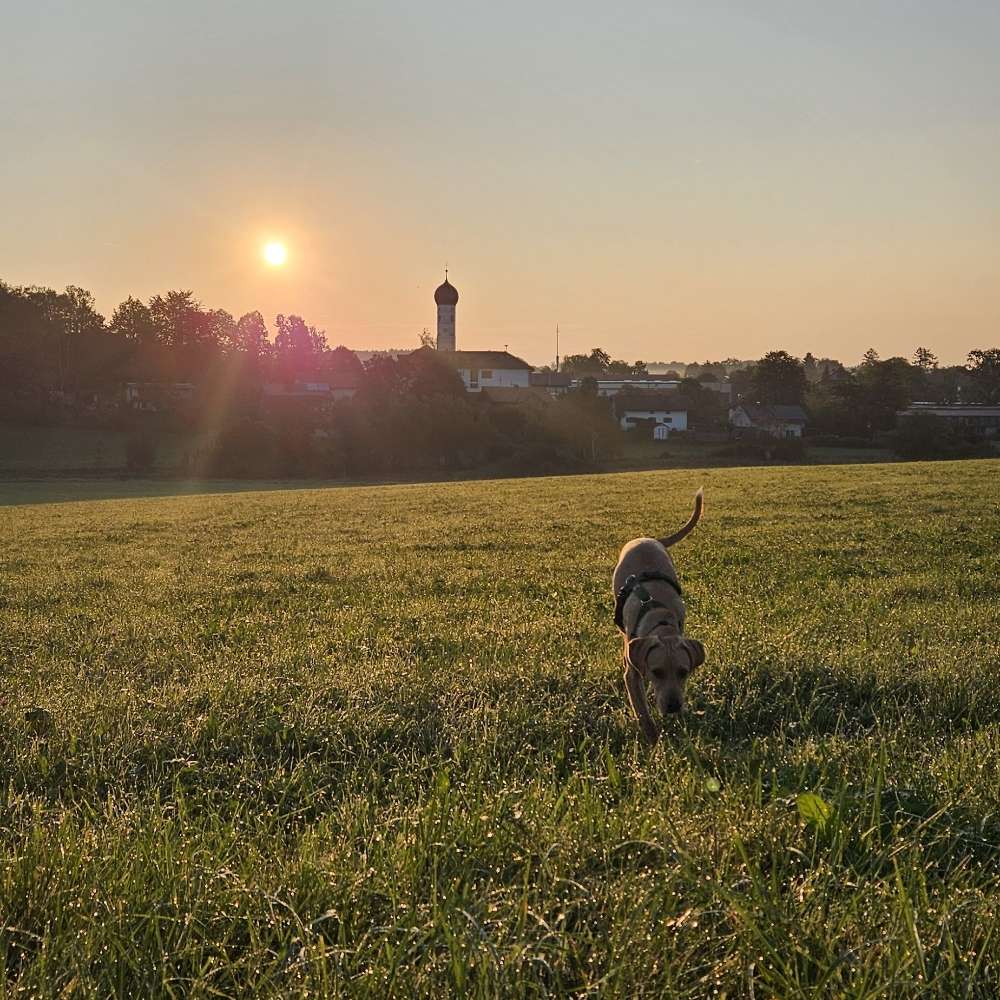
<point>636,688</point>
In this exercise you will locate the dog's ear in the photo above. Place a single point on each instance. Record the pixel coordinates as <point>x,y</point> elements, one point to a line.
<point>696,651</point>
<point>637,651</point>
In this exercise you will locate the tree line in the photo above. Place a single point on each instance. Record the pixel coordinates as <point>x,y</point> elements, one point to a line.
<point>864,401</point>
<point>61,362</point>
<point>57,352</point>
<point>860,402</point>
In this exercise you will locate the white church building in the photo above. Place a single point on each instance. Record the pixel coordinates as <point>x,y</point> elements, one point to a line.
<point>479,369</point>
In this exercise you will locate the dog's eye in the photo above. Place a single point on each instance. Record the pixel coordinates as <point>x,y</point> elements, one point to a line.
<point>659,673</point>
<point>683,672</point>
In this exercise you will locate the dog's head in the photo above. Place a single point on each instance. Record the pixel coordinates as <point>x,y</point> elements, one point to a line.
<point>666,662</point>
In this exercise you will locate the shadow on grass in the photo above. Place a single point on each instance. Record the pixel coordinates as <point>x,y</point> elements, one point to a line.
<point>249,753</point>
<point>818,700</point>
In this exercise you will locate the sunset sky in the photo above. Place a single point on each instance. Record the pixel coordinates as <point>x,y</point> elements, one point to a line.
<point>669,180</point>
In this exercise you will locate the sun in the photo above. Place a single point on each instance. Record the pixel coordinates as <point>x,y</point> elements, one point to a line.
<point>275,253</point>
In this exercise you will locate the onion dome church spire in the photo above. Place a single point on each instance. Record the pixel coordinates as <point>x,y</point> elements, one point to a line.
<point>446,297</point>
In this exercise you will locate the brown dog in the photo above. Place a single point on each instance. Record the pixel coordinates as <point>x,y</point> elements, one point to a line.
<point>649,611</point>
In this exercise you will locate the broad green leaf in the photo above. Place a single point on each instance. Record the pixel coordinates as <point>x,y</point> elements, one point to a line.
<point>814,810</point>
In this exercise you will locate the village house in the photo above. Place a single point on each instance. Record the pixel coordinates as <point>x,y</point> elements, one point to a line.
<point>489,369</point>
<point>660,412</point>
<point>748,419</point>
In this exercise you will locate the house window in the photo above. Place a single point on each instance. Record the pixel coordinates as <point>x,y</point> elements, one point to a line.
<point>486,373</point>
<point>474,377</point>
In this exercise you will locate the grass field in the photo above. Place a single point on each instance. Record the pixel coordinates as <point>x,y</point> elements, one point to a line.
<point>373,742</point>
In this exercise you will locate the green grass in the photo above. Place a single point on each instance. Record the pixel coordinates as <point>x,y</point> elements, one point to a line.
<point>60,489</point>
<point>373,742</point>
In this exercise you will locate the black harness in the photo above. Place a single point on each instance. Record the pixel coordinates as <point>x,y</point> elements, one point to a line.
<point>634,585</point>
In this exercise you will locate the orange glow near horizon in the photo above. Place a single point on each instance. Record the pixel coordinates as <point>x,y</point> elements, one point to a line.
<point>697,181</point>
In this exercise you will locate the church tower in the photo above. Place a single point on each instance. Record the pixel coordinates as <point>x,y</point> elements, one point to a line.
<point>446,297</point>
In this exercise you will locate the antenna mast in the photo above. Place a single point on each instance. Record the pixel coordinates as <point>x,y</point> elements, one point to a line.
<point>557,347</point>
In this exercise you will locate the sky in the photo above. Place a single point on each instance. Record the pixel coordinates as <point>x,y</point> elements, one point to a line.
<point>671,181</point>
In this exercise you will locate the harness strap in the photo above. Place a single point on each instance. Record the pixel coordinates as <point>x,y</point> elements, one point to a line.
<point>634,585</point>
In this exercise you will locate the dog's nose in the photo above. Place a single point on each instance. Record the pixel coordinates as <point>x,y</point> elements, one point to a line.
<point>672,707</point>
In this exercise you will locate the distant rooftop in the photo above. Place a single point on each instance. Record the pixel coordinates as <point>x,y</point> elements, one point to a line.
<point>649,400</point>
<point>762,414</point>
<point>954,409</point>
<point>502,360</point>
<point>551,380</point>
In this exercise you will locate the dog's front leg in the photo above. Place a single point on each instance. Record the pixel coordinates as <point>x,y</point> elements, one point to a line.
<point>636,688</point>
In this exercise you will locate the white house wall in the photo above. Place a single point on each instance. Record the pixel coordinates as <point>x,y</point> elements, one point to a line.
<point>676,420</point>
<point>501,377</point>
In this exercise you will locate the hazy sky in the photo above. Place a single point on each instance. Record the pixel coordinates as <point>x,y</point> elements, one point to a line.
<point>670,180</point>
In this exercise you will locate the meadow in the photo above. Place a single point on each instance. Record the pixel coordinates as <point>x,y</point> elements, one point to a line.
<point>373,742</point>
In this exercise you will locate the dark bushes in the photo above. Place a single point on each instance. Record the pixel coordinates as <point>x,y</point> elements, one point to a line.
<point>140,451</point>
<point>927,436</point>
<point>403,432</point>
<point>842,441</point>
<point>763,449</point>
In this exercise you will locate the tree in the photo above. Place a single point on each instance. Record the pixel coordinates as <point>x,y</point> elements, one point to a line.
<point>249,338</point>
<point>27,354</point>
<point>984,371</point>
<point>838,407</point>
<point>600,364</point>
<point>341,361</point>
<point>176,317</point>
<point>298,348</point>
<point>133,321</point>
<point>594,364</point>
<point>76,312</point>
<point>219,329</point>
<point>191,335</point>
<point>925,359</point>
<point>705,407</point>
<point>427,338</point>
<point>710,371</point>
<point>779,378</point>
<point>950,384</point>
<point>60,341</point>
<point>886,388</point>
<point>831,370</point>
<point>428,373</point>
<point>870,357</point>
<point>923,435</point>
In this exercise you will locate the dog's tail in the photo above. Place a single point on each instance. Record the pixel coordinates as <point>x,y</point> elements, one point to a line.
<point>699,506</point>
